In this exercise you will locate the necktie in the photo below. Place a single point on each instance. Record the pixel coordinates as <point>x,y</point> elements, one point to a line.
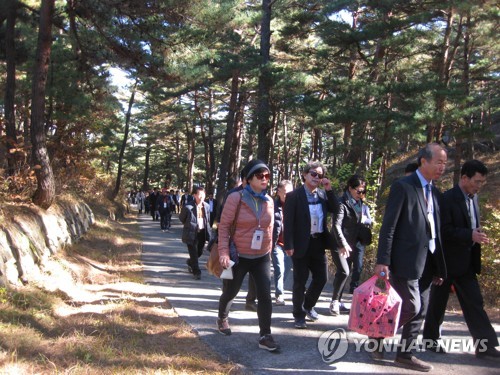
<point>472,212</point>
<point>430,217</point>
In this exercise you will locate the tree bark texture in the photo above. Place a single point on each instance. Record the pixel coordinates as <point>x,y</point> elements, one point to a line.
<point>45,193</point>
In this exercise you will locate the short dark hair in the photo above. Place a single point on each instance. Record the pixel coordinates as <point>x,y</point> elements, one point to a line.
<point>196,189</point>
<point>311,165</point>
<point>427,152</point>
<point>354,181</point>
<point>411,167</point>
<point>471,167</point>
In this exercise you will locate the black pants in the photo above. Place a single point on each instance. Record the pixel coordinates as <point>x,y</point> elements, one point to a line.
<point>196,251</point>
<point>313,261</point>
<point>415,296</point>
<point>343,267</point>
<point>471,302</point>
<point>260,269</point>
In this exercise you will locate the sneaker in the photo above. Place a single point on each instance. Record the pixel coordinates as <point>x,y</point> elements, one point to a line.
<point>311,314</point>
<point>251,306</point>
<point>335,308</point>
<point>223,326</point>
<point>300,323</point>
<point>267,342</point>
<point>279,301</point>
<point>343,309</point>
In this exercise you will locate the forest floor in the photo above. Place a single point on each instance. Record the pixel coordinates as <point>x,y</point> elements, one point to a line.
<point>108,322</point>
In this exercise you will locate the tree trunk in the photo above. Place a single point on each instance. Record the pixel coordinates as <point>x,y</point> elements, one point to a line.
<point>45,193</point>
<point>264,88</point>
<point>145,183</point>
<point>225,159</point>
<point>124,144</point>
<point>10,87</point>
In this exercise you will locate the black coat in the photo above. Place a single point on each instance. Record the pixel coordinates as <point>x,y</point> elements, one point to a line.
<point>297,220</point>
<point>405,233</point>
<point>459,250</point>
<point>347,223</point>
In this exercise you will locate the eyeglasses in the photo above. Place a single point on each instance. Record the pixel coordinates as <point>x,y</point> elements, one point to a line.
<point>261,176</point>
<point>316,174</point>
<point>361,192</point>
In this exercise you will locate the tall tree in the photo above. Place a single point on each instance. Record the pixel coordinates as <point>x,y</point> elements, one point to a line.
<point>45,193</point>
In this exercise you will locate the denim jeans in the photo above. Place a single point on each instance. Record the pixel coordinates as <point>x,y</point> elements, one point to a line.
<point>282,265</point>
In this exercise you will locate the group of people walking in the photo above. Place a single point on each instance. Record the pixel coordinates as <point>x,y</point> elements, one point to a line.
<point>428,242</point>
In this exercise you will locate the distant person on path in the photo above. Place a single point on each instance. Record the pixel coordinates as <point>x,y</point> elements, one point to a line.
<point>141,197</point>
<point>346,228</point>
<point>306,238</point>
<point>196,230</point>
<point>410,248</point>
<point>213,208</point>
<point>282,263</point>
<point>152,204</point>
<point>357,265</point>
<point>253,240</point>
<point>164,206</point>
<point>462,239</point>
<point>177,201</point>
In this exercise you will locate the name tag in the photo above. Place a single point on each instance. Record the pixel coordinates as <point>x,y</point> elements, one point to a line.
<point>258,235</point>
<point>314,223</point>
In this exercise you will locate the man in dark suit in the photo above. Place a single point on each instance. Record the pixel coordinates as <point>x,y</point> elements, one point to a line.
<point>196,231</point>
<point>410,248</point>
<point>306,237</point>
<point>462,239</point>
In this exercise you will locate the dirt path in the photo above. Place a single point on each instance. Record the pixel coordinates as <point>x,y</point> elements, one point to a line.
<point>164,258</point>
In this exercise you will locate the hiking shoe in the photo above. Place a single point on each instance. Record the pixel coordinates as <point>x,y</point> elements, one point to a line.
<point>267,342</point>
<point>279,301</point>
<point>223,326</point>
<point>334,308</point>
<point>251,306</point>
<point>300,323</point>
<point>311,314</point>
<point>413,363</point>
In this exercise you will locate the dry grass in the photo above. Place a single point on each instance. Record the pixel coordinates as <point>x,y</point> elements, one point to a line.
<point>108,322</point>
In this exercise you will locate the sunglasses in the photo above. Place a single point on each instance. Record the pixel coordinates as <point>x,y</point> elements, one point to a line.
<point>361,191</point>
<point>261,176</point>
<point>316,174</point>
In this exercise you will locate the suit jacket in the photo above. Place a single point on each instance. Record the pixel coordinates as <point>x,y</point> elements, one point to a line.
<point>189,217</point>
<point>297,220</point>
<point>405,232</point>
<point>459,250</point>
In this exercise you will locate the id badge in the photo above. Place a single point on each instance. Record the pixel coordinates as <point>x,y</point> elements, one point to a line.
<point>257,239</point>
<point>314,223</point>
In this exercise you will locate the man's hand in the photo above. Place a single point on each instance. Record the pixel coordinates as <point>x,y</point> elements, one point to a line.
<point>326,183</point>
<point>382,271</point>
<point>437,280</point>
<point>479,236</point>
<point>289,252</point>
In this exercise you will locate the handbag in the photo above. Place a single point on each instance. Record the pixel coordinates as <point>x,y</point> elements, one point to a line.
<point>375,312</point>
<point>364,235</point>
<point>213,265</point>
